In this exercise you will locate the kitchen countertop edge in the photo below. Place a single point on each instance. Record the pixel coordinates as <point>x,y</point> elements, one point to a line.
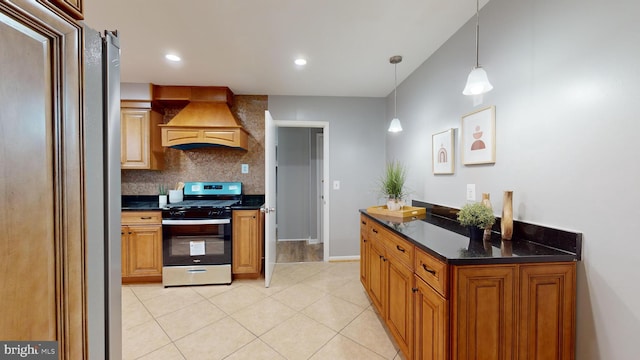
<point>558,256</point>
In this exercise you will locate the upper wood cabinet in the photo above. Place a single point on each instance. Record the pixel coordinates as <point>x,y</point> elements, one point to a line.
<point>71,7</point>
<point>43,276</point>
<point>141,146</point>
<point>248,240</point>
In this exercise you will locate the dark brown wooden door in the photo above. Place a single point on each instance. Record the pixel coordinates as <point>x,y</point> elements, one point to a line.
<point>41,213</point>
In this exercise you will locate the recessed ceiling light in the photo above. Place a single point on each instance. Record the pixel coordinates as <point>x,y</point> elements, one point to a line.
<point>301,62</point>
<point>172,57</point>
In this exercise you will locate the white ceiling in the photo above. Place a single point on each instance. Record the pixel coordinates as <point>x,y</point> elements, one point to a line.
<point>250,45</point>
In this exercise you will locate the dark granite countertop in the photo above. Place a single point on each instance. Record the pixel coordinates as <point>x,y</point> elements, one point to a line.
<point>250,202</point>
<point>443,237</point>
<point>150,203</point>
<point>140,203</point>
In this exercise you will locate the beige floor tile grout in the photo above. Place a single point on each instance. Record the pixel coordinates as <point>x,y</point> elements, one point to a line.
<point>285,277</point>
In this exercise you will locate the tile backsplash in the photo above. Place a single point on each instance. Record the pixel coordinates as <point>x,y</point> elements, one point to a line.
<point>212,163</point>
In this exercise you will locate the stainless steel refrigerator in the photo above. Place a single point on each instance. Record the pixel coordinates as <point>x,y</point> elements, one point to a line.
<point>101,127</point>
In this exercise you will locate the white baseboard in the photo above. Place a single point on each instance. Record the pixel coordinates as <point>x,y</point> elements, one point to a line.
<point>344,258</point>
<point>308,241</point>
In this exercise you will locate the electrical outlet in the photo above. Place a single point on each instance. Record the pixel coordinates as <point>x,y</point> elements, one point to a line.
<point>471,192</point>
<point>244,168</point>
<point>336,184</point>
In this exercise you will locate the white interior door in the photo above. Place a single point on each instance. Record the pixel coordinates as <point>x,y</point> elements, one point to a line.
<point>320,185</point>
<point>270,132</point>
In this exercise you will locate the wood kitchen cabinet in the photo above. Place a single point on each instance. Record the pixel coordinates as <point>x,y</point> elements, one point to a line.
<point>141,235</point>
<point>365,245</point>
<point>431,316</point>
<point>483,312</point>
<point>390,280</point>
<point>141,145</point>
<point>248,240</point>
<point>437,310</point>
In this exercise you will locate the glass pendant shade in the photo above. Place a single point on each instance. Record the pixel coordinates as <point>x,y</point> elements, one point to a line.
<point>395,125</point>
<point>477,82</point>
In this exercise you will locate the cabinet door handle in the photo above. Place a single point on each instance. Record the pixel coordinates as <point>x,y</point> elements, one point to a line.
<point>399,248</point>
<point>375,231</point>
<point>145,217</point>
<point>363,222</point>
<point>414,290</point>
<point>432,272</point>
<point>130,233</point>
<point>364,240</point>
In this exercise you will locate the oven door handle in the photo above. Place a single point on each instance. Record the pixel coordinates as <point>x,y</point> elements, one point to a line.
<point>196,222</point>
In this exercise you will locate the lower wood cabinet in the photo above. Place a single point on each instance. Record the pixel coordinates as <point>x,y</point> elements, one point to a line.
<point>436,310</point>
<point>248,240</point>
<point>431,319</point>
<point>483,312</point>
<point>141,235</point>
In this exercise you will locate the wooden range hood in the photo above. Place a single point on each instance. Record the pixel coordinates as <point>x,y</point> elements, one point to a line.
<point>206,120</point>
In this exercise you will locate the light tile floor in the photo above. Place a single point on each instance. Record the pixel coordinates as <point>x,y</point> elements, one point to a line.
<point>310,311</point>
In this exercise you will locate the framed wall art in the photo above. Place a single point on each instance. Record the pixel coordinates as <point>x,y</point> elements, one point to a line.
<point>443,156</point>
<point>478,137</point>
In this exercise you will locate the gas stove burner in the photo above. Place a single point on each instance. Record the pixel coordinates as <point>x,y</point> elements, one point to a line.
<point>190,204</point>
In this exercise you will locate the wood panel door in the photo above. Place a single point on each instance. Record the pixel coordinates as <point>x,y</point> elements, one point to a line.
<point>42,272</point>
<point>135,142</point>
<point>399,300</point>
<point>364,251</point>
<point>547,311</point>
<point>247,240</point>
<point>484,312</point>
<point>377,276</point>
<point>144,251</point>
<point>431,314</point>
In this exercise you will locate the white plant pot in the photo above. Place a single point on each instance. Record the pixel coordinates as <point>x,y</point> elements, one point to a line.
<point>162,201</point>
<point>394,205</point>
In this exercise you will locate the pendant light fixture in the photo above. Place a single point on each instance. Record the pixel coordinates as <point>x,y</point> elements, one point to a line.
<point>395,123</point>
<point>477,82</point>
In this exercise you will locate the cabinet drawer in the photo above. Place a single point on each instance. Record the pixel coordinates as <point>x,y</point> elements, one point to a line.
<point>141,217</point>
<point>364,224</point>
<point>400,248</point>
<point>432,271</point>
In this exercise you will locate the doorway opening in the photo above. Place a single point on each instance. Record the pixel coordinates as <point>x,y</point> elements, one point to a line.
<point>300,193</point>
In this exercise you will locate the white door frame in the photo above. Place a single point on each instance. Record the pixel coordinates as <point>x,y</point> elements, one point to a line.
<point>324,125</point>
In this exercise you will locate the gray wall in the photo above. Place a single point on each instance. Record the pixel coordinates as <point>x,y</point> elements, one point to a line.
<point>356,155</point>
<point>566,77</point>
<point>293,198</point>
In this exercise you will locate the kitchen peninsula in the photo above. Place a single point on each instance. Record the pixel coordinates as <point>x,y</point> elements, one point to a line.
<point>443,296</point>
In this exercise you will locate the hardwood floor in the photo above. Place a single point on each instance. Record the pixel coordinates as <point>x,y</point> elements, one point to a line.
<point>298,251</point>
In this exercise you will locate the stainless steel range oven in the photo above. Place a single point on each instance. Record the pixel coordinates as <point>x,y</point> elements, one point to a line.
<point>196,235</point>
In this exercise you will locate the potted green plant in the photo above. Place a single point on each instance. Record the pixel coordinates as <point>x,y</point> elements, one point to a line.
<point>392,185</point>
<point>162,195</point>
<point>477,217</point>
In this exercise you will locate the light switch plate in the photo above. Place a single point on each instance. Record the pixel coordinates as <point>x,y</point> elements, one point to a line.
<point>471,192</point>
<point>245,168</point>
